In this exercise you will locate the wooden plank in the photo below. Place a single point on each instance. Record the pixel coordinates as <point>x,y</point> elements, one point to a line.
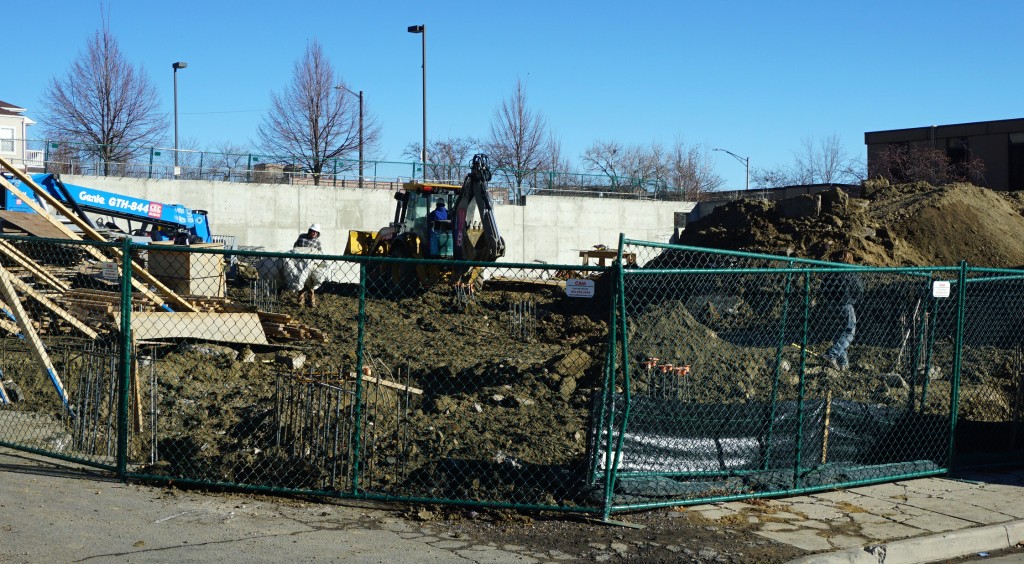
<point>19,258</point>
<point>388,383</point>
<point>136,391</point>
<point>91,233</point>
<point>35,345</point>
<point>32,224</point>
<point>50,305</point>
<point>221,327</point>
<point>6,324</point>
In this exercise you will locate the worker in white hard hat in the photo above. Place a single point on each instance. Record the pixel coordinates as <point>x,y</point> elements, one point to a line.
<point>310,238</point>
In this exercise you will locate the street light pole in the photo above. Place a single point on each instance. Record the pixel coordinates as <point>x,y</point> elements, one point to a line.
<point>176,66</point>
<point>422,30</point>
<point>360,131</point>
<point>744,160</point>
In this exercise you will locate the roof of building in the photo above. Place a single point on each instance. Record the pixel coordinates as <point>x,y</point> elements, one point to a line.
<point>11,108</point>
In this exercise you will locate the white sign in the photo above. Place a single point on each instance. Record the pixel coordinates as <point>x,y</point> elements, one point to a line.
<point>940,289</point>
<point>109,271</point>
<point>579,288</point>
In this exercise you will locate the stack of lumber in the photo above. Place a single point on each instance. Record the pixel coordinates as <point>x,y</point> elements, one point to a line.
<point>282,326</point>
<point>99,301</point>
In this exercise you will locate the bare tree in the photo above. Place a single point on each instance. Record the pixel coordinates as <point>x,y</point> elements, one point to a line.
<point>105,104</point>
<point>449,157</point>
<point>228,160</point>
<point>315,119</point>
<point>691,172</point>
<point>628,167</point>
<point>518,138</point>
<point>903,163</point>
<point>819,161</point>
<point>560,170</point>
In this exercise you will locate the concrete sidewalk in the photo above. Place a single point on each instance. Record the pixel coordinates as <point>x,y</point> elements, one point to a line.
<point>53,512</point>
<point>50,513</point>
<point>919,520</point>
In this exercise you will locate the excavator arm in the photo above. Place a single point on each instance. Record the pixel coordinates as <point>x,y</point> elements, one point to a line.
<point>483,241</point>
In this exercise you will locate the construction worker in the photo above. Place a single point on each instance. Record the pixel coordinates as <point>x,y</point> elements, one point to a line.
<point>310,238</point>
<point>843,290</point>
<point>438,221</point>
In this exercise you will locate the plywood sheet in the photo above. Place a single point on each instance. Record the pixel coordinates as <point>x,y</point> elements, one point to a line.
<point>33,224</point>
<point>221,327</point>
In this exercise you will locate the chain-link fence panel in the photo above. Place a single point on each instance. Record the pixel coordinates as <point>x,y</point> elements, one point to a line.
<point>745,381</point>
<point>494,371</point>
<point>991,385</point>
<point>60,369</point>
<point>231,393</point>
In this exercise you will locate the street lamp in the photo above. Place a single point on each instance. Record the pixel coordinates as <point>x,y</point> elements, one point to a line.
<point>744,160</point>
<point>176,66</point>
<point>422,30</point>
<point>360,94</point>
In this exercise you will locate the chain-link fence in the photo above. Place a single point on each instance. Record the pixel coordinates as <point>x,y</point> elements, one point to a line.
<point>676,375</point>
<point>507,186</point>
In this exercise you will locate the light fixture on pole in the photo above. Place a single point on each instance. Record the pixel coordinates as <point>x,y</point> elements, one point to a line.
<point>360,94</point>
<point>422,30</point>
<point>744,160</point>
<point>176,66</point>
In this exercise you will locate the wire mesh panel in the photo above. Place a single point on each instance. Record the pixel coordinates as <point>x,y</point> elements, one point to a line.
<point>59,362</point>
<point>495,369</point>
<point>746,381</point>
<point>231,393</point>
<point>991,385</point>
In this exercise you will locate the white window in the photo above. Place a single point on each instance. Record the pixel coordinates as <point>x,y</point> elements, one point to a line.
<point>6,139</point>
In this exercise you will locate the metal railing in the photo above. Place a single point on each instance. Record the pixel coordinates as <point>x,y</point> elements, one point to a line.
<point>159,163</point>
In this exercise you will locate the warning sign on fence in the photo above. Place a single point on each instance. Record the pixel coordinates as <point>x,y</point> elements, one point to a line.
<point>579,288</point>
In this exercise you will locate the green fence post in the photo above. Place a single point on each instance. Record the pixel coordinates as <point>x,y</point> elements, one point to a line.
<point>360,341</point>
<point>608,399</point>
<point>201,155</point>
<point>803,381</point>
<point>248,168</point>
<point>954,395</point>
<point>46,156</point>
<point>151,150</point>
<point>335,173</point>
<point>619,294</point>
<point>125,368</point>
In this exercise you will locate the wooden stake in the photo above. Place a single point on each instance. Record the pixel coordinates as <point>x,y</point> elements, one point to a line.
<point>136,390</point>
<point>828,414</point>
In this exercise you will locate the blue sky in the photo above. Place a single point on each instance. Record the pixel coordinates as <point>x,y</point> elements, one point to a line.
<point>755,78</point>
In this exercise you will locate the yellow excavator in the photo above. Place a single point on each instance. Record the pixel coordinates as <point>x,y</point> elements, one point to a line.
<point>469,233</point>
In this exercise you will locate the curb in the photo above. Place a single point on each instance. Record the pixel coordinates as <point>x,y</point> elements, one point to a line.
<point>931,548</point>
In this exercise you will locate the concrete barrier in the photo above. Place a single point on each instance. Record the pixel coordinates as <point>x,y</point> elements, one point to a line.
<point>548,229</point>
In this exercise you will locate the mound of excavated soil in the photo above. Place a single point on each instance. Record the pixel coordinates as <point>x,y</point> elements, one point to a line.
<point>902,225</point>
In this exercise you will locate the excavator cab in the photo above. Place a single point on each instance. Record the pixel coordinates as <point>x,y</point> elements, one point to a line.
<point>470,232</point>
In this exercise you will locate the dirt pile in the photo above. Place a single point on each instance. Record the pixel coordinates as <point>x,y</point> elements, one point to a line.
<point>894,225</point>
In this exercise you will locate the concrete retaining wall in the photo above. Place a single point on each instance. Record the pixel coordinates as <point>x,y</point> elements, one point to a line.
<point>548,229</point>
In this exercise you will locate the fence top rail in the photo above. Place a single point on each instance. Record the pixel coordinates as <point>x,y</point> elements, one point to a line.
<point>914,271</point>
<point>738,254</point>
<point>918,270</point>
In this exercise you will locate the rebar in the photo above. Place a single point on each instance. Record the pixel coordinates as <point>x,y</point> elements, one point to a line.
<point>522,320</point>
